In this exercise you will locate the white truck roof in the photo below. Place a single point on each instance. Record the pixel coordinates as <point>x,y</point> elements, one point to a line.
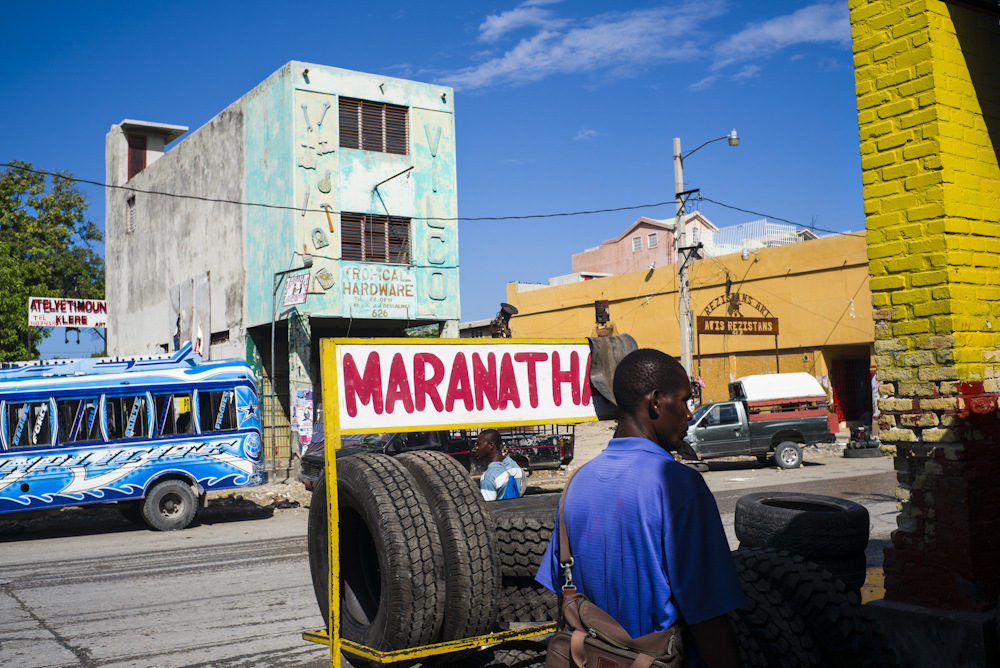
<point>776,386</point>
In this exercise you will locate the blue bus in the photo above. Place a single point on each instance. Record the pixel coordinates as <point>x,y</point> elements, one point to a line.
<point>151,434</point>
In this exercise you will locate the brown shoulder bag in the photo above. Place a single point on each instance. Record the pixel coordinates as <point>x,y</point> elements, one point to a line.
<point>588,637</point>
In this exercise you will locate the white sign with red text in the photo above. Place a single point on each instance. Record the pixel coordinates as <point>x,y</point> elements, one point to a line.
<point>52,312</point>
<point>386,386</point>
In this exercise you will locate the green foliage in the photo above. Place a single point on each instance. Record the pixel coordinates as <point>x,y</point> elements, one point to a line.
<point>45,251</point>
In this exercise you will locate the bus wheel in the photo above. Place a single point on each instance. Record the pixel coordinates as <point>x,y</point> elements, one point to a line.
<point>170,505</point>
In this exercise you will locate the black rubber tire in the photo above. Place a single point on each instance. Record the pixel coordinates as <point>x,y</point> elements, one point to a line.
<point>779,633</point>
<point>815,526</point>
<point>852,571</point>
<point>512,654</point>
<point>862,453</point>
<point>523,530</point>
<point>392,565</point>
<point>750,650</point>
<point>170,505</point>
<point>788,455</point>
<point>844,636</point>
<point>132,511</point>
<point>524,600</point>
<point>471,573</point>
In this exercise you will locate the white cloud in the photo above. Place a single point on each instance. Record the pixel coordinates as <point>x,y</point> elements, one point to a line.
<point>585,134</point>
<point>497,25</point>
<point>816,23</point>
<point>748,72</point>
<point>618,42</point>
<point>705,83</point>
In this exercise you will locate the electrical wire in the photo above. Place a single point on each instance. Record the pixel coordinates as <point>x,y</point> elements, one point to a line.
<point>764,215</point>
<point>282,207</point>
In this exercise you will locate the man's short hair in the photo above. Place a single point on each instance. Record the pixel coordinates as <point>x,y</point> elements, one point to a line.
<point>641,372</point>
<point>491,436</point>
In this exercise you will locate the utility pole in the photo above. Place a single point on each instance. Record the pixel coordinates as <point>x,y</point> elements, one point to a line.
<point>680,244</point>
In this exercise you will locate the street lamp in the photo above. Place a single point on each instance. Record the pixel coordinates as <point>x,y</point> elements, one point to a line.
<point>680,243</point>
<point>307,262</point>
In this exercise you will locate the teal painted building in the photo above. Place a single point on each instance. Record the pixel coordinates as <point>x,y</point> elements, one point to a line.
<point>357,172</point>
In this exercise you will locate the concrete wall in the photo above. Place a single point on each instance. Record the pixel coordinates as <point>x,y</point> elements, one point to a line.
<point>176,239</point>
<point>817,289</point>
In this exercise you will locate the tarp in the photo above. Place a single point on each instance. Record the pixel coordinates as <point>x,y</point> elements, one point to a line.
<point>776,386</point>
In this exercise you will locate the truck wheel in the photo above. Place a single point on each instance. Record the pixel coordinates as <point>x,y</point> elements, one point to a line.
<point>524,600</point>
<point>817,527</point>
<point>523,528</point>
<point>778,631</point>
<point>391,562</point>
<point>170,505</point>
<point>788,455</point>
<point>470,544</point>
<point>843,635</point>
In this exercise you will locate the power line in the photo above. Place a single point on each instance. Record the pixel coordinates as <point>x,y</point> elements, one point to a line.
<point>281,207</point>
<point>764,215</point>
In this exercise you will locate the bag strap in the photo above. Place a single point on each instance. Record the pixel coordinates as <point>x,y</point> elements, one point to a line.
<point>565,554</point>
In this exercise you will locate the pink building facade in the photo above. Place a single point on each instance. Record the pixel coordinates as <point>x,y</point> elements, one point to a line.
<point>646,242</point>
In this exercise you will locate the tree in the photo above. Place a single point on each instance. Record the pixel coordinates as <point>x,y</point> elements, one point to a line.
<point>46,250</point>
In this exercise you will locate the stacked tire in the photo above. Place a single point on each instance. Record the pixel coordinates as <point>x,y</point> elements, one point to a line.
<point>829,531</point>
<point>523,529</point>
<point>417,559</point>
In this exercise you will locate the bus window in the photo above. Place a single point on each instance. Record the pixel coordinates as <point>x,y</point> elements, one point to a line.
<point>126,417</point>
<point>28,424</point>
<point>217,410</point>
<point>78,420</point>
<point>173,414</point>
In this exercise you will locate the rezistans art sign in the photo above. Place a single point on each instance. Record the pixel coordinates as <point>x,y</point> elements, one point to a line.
<point>382,386</point>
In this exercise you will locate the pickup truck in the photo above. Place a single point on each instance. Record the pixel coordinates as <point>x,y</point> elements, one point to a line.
<point>533,448</point>
<point>763,424</point>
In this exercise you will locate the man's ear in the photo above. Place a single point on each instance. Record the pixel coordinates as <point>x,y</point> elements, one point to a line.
<point>655,404</point>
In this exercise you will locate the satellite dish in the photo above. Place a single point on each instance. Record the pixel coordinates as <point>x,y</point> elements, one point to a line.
<point>508,309</point>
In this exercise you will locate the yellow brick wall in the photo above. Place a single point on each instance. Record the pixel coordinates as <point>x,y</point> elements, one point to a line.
<point>928,99</point>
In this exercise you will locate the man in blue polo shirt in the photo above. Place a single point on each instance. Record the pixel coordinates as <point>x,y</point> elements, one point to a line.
<point>648,543</point>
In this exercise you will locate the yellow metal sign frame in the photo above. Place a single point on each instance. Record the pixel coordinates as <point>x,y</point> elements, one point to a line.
<point>333,432</point>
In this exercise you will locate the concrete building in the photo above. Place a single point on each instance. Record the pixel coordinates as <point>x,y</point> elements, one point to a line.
<point>645,242</point>
<point>813,296</point>
<point>352,172</point>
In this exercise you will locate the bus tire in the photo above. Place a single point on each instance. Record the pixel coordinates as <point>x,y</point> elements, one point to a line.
<point>169,505</point>
<point>391,561</point>
<point>471,572</point>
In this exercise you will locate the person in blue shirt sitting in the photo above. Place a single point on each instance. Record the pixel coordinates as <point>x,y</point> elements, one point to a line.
<point>647,540</point>
<point>503,478</point>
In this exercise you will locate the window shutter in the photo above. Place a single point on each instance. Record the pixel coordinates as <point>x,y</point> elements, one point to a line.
<point>374,126</point>
<point>136,154</point>
<point>351,247</point>
<point>350,123</point>
<point>636,244</point>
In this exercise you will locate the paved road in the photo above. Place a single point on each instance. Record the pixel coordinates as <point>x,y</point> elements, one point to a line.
<point>89,590</point>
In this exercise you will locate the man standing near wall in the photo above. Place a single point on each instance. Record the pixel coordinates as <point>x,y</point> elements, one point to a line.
<point>647,540</point>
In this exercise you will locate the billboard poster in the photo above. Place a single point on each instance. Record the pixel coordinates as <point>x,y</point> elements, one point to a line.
<point>386,386</point>
<point>54,312</point>
<point>378,291</point>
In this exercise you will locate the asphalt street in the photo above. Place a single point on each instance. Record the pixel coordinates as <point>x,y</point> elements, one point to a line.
<point>87,589</point>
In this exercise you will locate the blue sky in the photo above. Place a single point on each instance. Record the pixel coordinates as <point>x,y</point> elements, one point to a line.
<point>560,106</point>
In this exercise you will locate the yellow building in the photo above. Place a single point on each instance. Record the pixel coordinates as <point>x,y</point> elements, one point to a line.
<point>816,293</point>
